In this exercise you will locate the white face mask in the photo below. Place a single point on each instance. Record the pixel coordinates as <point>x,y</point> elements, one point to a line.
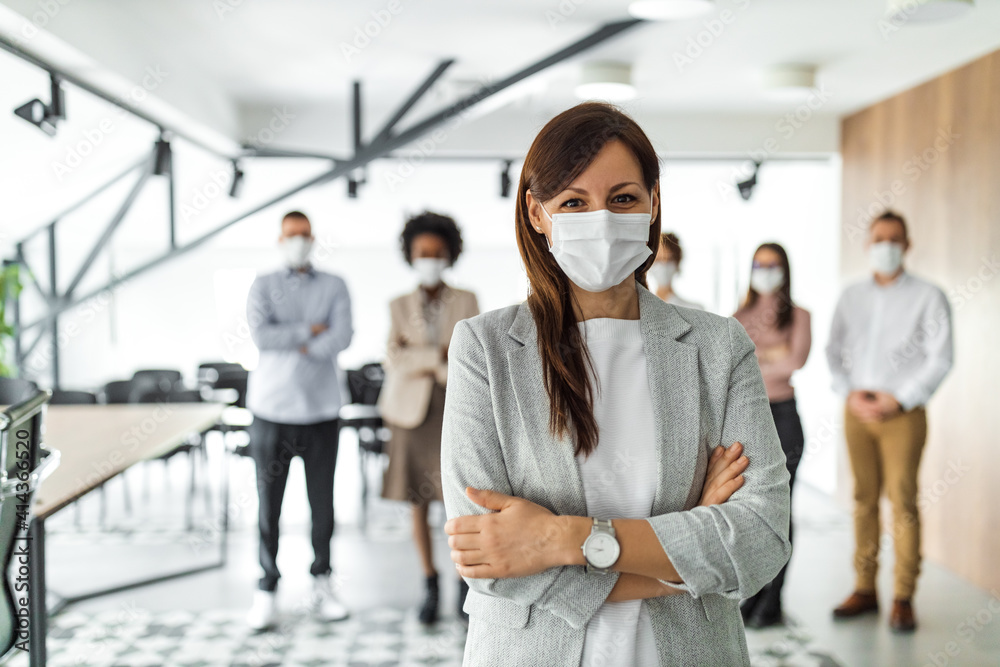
<point>767,280</point>
<point>885,257</point>
<point>663,272</point>
<point>296,250</point>
<point>599,249</point>
<point>429,270</point>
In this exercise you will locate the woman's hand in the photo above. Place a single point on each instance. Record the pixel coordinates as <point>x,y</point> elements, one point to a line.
<point>725,474</point>
<point>519,539</point>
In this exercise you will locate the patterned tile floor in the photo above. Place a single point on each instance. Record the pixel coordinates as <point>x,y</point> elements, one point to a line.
<point>137,638</point>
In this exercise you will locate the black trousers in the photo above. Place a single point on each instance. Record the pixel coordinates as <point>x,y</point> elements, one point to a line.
<point>273,446</point>
<point>786,420</point>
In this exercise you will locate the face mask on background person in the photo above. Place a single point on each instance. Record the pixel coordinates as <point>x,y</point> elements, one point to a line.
<point>767,280</point>
<point>885,257</point>
<point>663,272</point>
<point>429,270</point>
<point>599,249</point>
<point>296,250</point>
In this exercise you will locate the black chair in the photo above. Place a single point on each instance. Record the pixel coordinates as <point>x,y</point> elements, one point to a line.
<point>228,381</point>
<point>69,397</point>
<point>209,372</point>
<point>152,381</point>
<point>116,392</point>
<point>362,415</point>
<point>16,390</point>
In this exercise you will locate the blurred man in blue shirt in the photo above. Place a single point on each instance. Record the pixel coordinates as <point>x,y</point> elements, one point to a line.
<point>300,320</point>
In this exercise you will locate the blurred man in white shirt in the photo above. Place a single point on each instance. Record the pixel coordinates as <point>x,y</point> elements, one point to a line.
<point>890,348</point>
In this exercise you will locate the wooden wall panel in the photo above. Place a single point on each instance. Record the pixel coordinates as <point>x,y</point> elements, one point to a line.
<point>936,149</point>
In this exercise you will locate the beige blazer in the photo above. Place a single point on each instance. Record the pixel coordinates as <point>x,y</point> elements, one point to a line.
<point>413,362</point>
<point>706,390</point>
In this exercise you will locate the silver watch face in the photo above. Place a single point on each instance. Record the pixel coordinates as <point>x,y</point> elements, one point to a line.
<point>602,550</point>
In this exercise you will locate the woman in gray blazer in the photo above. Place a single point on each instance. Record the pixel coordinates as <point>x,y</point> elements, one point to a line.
<point>611,472</point>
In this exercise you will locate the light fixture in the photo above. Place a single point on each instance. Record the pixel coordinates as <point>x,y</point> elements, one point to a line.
<point>355,179</point>
<point>505,179</point>
<point>790,77</point>
<point>669,10</point>
<point>163,158</point>
<point>746,187</point>
<point>44,116</point>
<point>609,81</point>
<point>919,11</point>
<point>237,184</point>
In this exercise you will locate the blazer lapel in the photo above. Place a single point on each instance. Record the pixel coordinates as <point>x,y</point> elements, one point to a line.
<point>672,369</point>
<point>554,456</point>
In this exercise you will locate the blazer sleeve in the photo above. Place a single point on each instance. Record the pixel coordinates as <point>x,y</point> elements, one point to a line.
<point>735,548</point>
<point>471,455</point>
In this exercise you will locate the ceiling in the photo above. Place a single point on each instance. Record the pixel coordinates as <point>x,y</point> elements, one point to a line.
<point>227,60</point>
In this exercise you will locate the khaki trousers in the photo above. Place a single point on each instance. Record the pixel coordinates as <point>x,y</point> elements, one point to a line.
<point>886,455</point>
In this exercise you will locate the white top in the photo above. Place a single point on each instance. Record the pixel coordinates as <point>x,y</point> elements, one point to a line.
<point>894,338</point>
<point>620,478</point>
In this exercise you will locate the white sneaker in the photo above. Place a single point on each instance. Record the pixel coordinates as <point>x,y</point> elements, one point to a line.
<point>264,612</point>
<point>325,604</point>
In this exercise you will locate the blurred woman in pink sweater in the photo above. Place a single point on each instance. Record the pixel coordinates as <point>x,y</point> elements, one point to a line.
<point>781,332</point>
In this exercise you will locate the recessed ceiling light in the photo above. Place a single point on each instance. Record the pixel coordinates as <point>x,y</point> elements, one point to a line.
<point>606,81</point>
<point>669,10</point>
<point>790,77</point>
<point>919,11</point>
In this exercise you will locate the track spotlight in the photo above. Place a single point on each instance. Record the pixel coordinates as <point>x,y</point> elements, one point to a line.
<point>164,157</point>
<point>356,178</point>
<point>505,179</point>
<point>237,184</point>
<point>746,187</point>
<point>44,116</point>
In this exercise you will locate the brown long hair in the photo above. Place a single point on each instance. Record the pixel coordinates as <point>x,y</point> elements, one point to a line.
<point>563,150</point>
<point>784,293</point>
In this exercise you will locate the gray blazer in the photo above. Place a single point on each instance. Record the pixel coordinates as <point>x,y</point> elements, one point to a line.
<point>707,388</point>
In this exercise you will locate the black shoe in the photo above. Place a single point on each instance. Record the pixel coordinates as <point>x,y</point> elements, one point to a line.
<point>463,592</point>
<point>429,609</point>
<point>747,607</point>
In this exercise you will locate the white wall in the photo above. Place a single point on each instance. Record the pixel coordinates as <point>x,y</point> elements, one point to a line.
<point>191,310</point>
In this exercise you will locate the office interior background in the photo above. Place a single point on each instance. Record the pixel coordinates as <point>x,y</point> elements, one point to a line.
<point>835,110</point>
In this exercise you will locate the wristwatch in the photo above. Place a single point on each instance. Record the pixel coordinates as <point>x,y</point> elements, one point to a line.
<point>601,548</point>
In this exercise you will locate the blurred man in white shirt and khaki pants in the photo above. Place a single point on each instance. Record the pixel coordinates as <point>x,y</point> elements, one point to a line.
<point>890,348</point>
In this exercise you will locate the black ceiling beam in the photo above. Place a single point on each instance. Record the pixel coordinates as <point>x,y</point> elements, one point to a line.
<point>414,97</point>
<point>367,154</point>
<point>10,47</point>
<point>109,230</point>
